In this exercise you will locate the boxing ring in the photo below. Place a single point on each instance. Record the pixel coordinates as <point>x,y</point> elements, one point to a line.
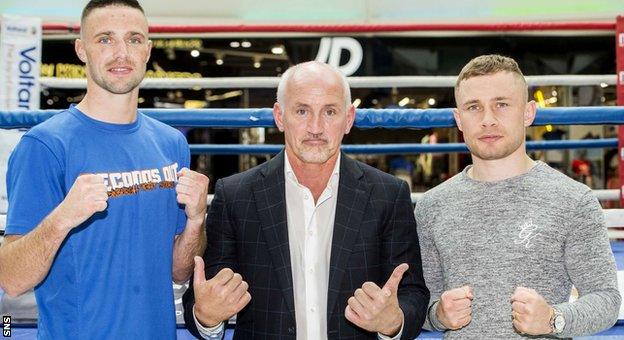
<point>375,118</point>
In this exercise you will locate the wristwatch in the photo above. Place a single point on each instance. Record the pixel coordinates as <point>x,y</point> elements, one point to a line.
<point>557,322</point>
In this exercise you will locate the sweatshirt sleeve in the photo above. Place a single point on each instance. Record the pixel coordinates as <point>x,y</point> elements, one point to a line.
<point>591,267</point>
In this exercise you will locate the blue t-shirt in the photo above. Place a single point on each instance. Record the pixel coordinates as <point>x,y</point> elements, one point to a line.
<point>112,276</point>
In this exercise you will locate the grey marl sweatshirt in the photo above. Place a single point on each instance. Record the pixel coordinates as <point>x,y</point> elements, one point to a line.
<point>539,230</point>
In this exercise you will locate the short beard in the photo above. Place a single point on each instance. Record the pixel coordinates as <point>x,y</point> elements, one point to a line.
<point>123,88</point>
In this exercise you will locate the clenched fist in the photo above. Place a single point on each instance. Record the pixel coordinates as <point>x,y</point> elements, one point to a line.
<point>219,298</point>
<point>530,312</point>
<point>192,191</point>
<point>454,309</point>
<point>87,196</point>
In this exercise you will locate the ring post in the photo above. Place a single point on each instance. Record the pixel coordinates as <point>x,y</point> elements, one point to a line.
<point>619,56</point>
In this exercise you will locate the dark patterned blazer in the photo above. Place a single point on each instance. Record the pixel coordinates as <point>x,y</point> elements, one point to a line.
<point>374,231</point>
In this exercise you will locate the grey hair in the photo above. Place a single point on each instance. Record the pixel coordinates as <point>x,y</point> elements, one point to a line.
<point>281,87</point>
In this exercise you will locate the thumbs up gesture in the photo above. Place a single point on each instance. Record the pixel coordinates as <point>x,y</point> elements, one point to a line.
<point>219,298</point>
<point>377,309</point>
<point>454,309</point>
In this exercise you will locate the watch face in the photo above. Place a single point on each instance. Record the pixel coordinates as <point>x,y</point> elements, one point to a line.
<point>559,323</point>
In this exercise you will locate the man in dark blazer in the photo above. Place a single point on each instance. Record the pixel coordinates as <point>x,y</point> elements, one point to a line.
<point>345,265</point>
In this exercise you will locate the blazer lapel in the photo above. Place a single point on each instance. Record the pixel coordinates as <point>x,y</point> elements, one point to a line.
<point>269,194</point>
<point>353,194</point>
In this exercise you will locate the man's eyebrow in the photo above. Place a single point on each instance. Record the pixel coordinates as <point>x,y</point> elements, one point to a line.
<point>112,33</point>
<point>104,33</point>
<point>472,101</point>
<point>502,98</point>
<point>138,33</point>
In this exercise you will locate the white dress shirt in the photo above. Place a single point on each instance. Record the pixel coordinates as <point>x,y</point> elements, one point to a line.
<point>310,230</point>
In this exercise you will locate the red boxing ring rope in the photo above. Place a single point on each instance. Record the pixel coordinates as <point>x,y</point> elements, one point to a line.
<point>357,28</point>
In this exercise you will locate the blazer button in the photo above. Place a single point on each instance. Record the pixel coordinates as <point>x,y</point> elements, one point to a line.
<point>291,330</point>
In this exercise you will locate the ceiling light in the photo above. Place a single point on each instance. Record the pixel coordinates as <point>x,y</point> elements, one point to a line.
<point>219,59</point>
<point>277,49</point>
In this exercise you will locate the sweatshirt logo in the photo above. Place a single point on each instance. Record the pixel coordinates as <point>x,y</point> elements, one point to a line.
<point>528,231</point>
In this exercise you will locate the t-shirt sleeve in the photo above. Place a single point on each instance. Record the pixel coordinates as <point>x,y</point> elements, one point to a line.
<point>35,185</point>
<point>185,162</point>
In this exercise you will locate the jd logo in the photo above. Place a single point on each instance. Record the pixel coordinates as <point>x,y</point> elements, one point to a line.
<point>330,51</point>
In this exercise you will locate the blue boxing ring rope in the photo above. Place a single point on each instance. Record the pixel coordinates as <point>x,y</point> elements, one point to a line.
<point>365,119</point>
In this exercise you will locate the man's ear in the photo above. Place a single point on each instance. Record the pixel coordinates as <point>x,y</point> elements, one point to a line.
<point>529,113</point>
<point>149,50</point>
<point>457,119</point>
<point>80,51</point>
<point>278,116</point>
<point>350,118</point>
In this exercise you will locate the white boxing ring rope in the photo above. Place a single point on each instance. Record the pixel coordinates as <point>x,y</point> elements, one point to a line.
<point>354,82</point>
<point>614,217</point>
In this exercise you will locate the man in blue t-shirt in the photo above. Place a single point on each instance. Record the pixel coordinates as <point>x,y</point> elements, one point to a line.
<point>103,210</point>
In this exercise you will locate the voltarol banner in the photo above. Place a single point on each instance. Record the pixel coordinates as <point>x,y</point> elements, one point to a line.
<point>20,60</point>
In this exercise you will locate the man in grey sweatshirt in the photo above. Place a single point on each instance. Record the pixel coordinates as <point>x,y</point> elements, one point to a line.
<point>503,241</point>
